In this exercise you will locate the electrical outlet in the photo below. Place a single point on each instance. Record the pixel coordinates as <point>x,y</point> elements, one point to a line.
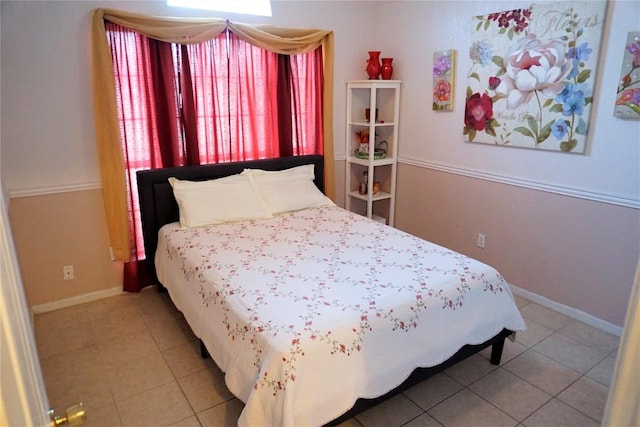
<point>481,240</point>
<point>67,272</point>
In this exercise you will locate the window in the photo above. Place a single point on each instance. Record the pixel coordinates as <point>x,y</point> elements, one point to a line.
<point>219,101</point>
<point>247,7</point>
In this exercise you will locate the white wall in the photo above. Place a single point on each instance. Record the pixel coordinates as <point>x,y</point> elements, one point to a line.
<point>610,169</point>
<point>48,137</point>
<point>47,100</point>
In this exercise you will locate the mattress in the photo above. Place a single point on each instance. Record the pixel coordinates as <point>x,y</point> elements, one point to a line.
<point>308,311</point>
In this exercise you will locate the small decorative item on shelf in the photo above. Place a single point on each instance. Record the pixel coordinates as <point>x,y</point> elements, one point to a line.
<point>362,152</point>
<point>367,115</point>
<point>387,68</point>
<point>362,136</point>
<point>373,65</point>
<point>376,188</point>
<point>362,189</point>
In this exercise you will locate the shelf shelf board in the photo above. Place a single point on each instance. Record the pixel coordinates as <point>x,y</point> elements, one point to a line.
<point>366,84</point>
<point>376,162</point>
<point>380,196</point>
<point>367,124</point>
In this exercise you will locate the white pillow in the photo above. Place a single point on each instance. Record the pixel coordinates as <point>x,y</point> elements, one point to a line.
<point>233,198</point>
<point>288,190</point>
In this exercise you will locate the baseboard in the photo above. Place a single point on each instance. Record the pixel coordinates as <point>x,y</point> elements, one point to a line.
<point>569,311</point>
<point>79,299</point>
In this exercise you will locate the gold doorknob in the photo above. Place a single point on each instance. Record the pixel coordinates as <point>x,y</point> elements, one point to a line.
<point>73,416</point>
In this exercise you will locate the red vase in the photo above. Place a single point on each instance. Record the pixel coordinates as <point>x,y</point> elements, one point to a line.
<point>373,65</point>
<point>387,68</point>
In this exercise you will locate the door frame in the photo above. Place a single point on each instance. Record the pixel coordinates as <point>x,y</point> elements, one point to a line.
<point>23,400</point>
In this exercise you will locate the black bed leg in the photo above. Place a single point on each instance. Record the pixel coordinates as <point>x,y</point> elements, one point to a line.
<point>204,353</point>
<point>496,351</point>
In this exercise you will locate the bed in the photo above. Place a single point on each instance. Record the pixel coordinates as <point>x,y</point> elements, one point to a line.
<point>315,314</point>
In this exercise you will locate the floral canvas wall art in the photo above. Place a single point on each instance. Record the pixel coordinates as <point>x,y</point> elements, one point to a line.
<point>628,96</point>
<point>532,75</point>
<point>443,80</point>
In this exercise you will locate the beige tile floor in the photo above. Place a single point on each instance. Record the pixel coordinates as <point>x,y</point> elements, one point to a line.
<point>133,361</point>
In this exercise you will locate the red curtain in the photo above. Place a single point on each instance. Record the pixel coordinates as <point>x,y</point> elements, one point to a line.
<point>147,108</point>
<point>299,92</point>
<point>307,84</point>
<point>218,101</point>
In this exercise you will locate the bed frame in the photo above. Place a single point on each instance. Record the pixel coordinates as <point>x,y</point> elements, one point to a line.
<point>159,207</point>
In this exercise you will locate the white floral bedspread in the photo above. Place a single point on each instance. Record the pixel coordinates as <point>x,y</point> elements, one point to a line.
<point>310,310</point>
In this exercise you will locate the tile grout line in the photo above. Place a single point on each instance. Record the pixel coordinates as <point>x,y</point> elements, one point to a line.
<point>555,396</point>
<point>582,375</point>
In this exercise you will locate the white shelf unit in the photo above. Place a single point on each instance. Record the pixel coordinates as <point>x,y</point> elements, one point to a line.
<point>382,96</point>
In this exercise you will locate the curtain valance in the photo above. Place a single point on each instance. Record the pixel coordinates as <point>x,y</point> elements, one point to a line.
<point>183,31</point>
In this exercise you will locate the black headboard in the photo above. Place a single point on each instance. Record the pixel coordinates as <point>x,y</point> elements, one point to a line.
<point>158,206</point>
